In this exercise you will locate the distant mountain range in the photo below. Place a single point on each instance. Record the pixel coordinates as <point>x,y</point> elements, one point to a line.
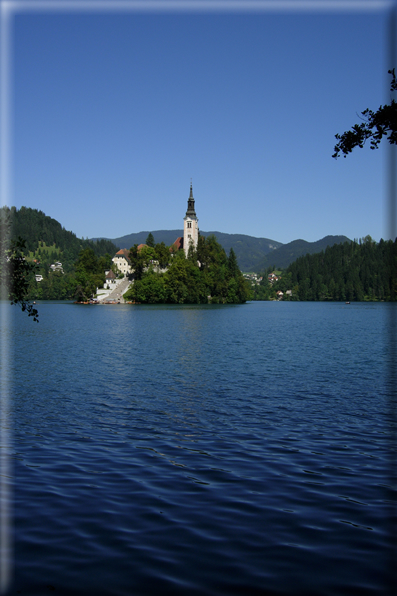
<point>288,253</point>
<point>253,254</point>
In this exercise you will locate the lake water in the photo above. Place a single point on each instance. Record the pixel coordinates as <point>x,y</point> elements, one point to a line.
<point>202,450</point>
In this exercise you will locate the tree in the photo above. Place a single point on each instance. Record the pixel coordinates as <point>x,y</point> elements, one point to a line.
<point>140,259</point>
<point>376,125</point>
<point>232,263</point>
<point>150,240</point>
<point>162,254</point>
<point>89,274</point>
<point>149,289</point>
<point>192,253</point>
<point>15,270</point>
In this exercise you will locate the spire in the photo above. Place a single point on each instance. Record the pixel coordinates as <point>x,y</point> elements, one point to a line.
<point>190,203</point>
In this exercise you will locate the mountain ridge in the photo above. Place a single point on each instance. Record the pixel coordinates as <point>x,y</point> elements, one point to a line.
<point>253,254</point>
<point>287,253</point>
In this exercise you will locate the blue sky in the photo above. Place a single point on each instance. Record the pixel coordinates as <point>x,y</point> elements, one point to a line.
<point>114,112</point>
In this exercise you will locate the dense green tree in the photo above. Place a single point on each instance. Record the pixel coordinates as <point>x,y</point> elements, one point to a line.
<point>89,274</point>
<point>150,289</point>
<point>16,273</point>
<point>363,270</point>
<point>262,290</point>
<point>140,259</point>
<point>375,126</point>
<point>232,263</point>
<point>177,279</point>
<point>192,253</point>
<point>150,240</point>
<point>105,262</point>
<point>203,252</point>
<point>162,254</point>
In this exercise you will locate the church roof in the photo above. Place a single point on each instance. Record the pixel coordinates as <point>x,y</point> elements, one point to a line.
<point>178,244</point>
<point>191,212</point>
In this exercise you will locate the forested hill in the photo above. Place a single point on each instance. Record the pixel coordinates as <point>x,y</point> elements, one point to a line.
<point>48,240</point>
<point>287,253</point>
<point>363,270</point>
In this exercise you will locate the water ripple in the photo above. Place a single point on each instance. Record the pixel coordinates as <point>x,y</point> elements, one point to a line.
<point>237,461</point>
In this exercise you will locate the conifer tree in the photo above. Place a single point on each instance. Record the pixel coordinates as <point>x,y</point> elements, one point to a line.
<point>232,263</point>
<point>150,240</point>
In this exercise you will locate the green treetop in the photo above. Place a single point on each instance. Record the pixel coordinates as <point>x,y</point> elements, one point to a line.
<point>205,275</point>
<point>150,240</point>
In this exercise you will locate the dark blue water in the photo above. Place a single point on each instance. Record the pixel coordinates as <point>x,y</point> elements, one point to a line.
<point>202,450</point>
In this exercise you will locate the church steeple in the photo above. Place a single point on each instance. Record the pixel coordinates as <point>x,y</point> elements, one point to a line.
<point>190,204</point>
<point>190,224</point>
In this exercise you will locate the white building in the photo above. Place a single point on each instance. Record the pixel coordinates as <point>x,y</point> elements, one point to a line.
<point>110,279</point>
<point>122,260</point>
<point>56,267</point>
<point>190,224</point>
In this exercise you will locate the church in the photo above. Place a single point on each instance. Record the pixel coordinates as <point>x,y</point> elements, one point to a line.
<point>189,238</point>
<point>190,224</point>
<point>190,227</point>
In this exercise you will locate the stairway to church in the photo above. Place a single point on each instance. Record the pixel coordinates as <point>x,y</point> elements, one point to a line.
<point>120,289</point>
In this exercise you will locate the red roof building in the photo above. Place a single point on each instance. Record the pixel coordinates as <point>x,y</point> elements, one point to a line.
<point>123,252</point>
<point>178,244</point>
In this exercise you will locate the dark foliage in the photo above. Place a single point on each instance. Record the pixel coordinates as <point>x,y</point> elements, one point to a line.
<point>16,271</point>
<point>375,126</point>
<point>16,274</point>
<point>89,274</point>
<point>150,240</point>
<point>205,275</point>
<point>352,271</point>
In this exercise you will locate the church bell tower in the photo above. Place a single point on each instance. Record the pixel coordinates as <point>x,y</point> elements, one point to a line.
<point>190,224</point>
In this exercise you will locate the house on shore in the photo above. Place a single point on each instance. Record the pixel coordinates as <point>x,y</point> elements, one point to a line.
<point>122,260</point>
<point>110,279</point>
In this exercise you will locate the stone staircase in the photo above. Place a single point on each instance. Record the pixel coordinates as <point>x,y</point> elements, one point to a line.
<point>117,293</point>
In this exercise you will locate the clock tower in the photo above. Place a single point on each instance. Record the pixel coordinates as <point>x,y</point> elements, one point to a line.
<point>190,224</point>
